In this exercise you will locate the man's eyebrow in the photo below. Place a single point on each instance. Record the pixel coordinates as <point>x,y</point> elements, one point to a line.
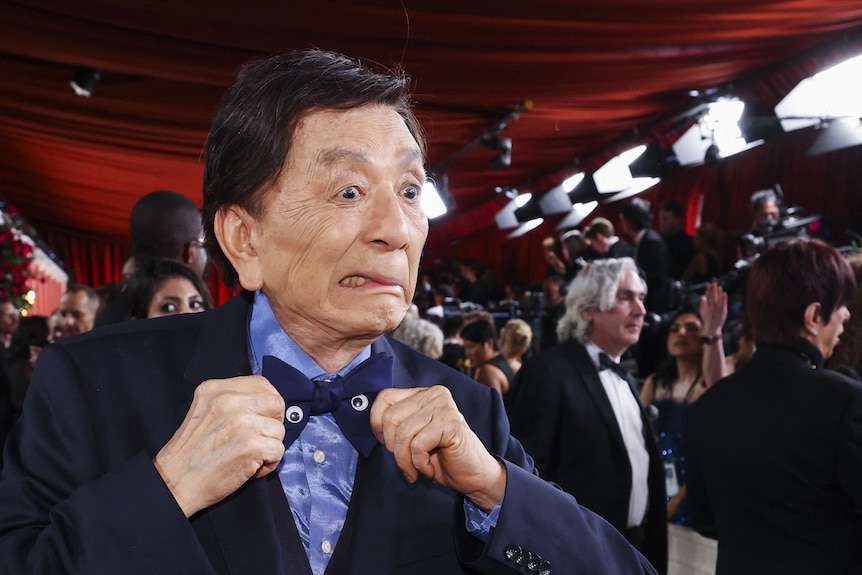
<point>331,156</point>
<point>335,155</point>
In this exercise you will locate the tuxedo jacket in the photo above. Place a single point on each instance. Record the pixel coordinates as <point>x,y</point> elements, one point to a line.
<point>562,416</point>
<point>80,493</point>
<point>774,466</point>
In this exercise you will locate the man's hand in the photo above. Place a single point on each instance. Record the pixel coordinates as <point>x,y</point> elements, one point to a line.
<point>232,432</point>
<point>427,434</point>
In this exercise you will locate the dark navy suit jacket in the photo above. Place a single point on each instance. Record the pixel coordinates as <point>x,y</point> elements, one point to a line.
<point>80,493</point>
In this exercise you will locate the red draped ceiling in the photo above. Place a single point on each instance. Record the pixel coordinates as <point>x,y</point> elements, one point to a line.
<point>595,72</point>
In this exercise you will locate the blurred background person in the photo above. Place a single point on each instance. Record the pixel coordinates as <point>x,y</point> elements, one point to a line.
<point>55,326</point>
<point>472,286</point>
<point>78,307</point>
<point>694,361</point>
<point>515,338</point>
<point>9,317</point>
<point>680,245</point>
<point>422,335</point>
<point>29,339</point>
<point>162,224</point>
<point>773,450</point>
<point>453,348</point>
<point>603,241</point>
<point>166,287</point>
<point>488,364</point>
<point>708,262</point>
<point>553,308</point>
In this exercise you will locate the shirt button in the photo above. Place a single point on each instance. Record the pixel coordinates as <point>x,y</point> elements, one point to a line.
<point>319,456</point>
<point>326,546</point>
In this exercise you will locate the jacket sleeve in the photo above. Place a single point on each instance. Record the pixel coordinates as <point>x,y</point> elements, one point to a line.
<point>542,529</point>
<point>69,505</point>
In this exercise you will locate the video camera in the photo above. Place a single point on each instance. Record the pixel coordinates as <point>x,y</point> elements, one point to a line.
<point>793,223</point>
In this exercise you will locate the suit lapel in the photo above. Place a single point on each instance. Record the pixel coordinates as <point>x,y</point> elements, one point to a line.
<point>590,376</point>
<point>247,533</point>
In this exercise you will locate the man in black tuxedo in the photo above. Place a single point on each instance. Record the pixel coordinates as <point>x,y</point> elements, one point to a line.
<point>578,414</point>
<point>247,439</point>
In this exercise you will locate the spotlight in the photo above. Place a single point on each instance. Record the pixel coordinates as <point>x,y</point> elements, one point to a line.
<point>436,198</point>
<point>84,81</point>
<point>502,145</point>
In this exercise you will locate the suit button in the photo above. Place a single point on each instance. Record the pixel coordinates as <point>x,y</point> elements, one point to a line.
<point>514,553</point>
<point>545,568</point>
<point>524,559</point>
<point>534,562</point>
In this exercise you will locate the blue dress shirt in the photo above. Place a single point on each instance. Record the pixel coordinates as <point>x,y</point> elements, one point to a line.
<point>318,469</point>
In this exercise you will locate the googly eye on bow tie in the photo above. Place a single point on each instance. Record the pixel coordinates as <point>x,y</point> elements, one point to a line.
<point>359,402</point>
<point>293,414</point>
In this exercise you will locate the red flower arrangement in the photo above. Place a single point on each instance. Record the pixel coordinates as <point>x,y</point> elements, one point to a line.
<point>15,256</point>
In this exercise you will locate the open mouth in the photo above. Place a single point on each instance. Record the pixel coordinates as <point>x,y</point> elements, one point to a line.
<point>353,281</point>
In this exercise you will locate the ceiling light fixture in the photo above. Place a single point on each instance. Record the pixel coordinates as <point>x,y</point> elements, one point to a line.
<point>501,145</point>
<point>84,81</point>
<point>436,199</point>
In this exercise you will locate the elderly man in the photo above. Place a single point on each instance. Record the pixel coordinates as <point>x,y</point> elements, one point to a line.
<point>577,413</point>
<point>200,444</point>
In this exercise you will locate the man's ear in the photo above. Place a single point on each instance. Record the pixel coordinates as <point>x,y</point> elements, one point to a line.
<point>233,228</point>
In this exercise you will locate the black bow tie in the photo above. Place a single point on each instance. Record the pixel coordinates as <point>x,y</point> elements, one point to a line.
<point>605,362</point>
<point>348,398</point>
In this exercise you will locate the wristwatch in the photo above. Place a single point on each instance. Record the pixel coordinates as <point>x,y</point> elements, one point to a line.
<point>710,339</point>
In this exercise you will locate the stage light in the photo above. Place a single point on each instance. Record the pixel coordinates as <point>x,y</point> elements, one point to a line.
<point>717,134</point>
<point>436,199</point>
<point>505,218</point>
<point>577,215</point>
<point>528,210</point>
<point>525,227</point>
<point>575,189</point>
<point>502,145</point>
<point>837,134</point>
<point>84,81</point>
<point>832,93</point>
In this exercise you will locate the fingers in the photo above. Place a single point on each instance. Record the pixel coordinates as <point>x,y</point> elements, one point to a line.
<point>232,432</point>
<point>416,424</point>
<point>396,416</point>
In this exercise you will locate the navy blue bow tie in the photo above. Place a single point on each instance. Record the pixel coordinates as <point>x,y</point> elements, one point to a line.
<point>348,398</point>
<point>605,362</point>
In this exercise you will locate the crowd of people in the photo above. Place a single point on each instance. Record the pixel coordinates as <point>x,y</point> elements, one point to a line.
<point>345,413</point>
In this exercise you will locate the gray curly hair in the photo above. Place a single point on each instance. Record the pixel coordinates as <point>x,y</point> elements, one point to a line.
<point>595,286</point>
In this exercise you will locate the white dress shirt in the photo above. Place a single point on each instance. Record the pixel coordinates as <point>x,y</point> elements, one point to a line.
<point>628,414</point>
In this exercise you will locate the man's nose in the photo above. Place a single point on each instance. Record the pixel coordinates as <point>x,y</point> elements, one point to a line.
<point>388,222</point>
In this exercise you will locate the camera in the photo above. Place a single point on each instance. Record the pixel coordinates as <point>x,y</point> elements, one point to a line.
<point>792,224</point>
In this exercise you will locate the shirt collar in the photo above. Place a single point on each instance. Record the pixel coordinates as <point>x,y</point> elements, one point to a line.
<point>594,350</point>
<point>266,337</point>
